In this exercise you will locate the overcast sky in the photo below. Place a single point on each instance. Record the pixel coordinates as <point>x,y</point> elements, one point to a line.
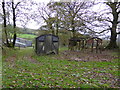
<point>34,25</point>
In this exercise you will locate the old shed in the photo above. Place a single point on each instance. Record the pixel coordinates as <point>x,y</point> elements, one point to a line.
<point>79,42</point>
<point>47,44</point>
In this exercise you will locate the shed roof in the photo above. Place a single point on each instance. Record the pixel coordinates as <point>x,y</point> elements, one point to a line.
<point>42,37</point>
<point>96,38</point>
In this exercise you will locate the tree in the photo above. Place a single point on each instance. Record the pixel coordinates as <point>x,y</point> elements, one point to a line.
<point>115,11</point>
<point>8,44</point>
<point>70,13</point>
<point>44,14</point>
<point>55,8</point>
<point>104,21</point>
<point>5,24</point>
<point>14,12</point>
<point>14,21</point>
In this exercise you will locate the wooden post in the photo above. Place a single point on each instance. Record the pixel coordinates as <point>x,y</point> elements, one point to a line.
<point>79,45</point>
<point>92,45</point>
<point>97,46</point>
<point>82,44</point>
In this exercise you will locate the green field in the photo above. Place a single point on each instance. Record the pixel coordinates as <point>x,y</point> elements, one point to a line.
<point>24,69</point>
<point>0,68</point>
<point>27,36</point>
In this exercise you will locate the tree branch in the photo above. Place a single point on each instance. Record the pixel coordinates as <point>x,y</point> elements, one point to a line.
<point>118,12</point>
<point>118,22</point>
<point>44,18</point>
<point>98,32</point>
<point>17,5</point>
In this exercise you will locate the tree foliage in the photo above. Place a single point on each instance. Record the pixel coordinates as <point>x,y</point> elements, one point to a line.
<point>70,13</point>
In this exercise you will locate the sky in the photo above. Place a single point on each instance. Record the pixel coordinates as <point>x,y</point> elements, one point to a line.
<point>32,23</point>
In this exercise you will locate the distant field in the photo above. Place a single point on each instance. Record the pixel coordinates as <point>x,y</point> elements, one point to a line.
<point>27,36</point>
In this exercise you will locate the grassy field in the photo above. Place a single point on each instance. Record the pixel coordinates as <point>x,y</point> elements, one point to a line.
<point>0,68</point>
<point>27,36</point>
<point>24,69</point>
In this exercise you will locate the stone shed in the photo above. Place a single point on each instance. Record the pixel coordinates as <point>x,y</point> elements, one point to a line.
<point>47,44</point>
<point>20,42</point>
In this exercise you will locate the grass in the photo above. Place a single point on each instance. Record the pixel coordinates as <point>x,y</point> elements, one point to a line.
<point>63,49</point>
<point>27,36</point>
<point>20,70</point>
<point>0,69</point>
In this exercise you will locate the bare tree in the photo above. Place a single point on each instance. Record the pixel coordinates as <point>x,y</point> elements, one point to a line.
<point>13,13</point>
<point>55,7</point>
<point>5,24</point>
<point>14,21</point>
<point>115,11</point>
<point>68,14</point>
<point>104,21</point>
<point>8,44</point>
<point>44,14</point>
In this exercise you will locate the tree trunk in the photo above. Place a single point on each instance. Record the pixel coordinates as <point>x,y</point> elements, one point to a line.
<point>5,31</point>
<point>73,28</point>
<point>56,29</point>
<point>57,26</point>
<point>113,44</point>
<point>52,29</point>
<point>14,25</point>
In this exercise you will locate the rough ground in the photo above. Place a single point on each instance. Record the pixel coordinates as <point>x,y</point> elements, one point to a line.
<point>86,56</point>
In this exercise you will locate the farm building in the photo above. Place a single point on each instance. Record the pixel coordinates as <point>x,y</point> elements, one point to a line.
<point>20,42</point>
<point>76,41</point>
<point>47,44</point>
